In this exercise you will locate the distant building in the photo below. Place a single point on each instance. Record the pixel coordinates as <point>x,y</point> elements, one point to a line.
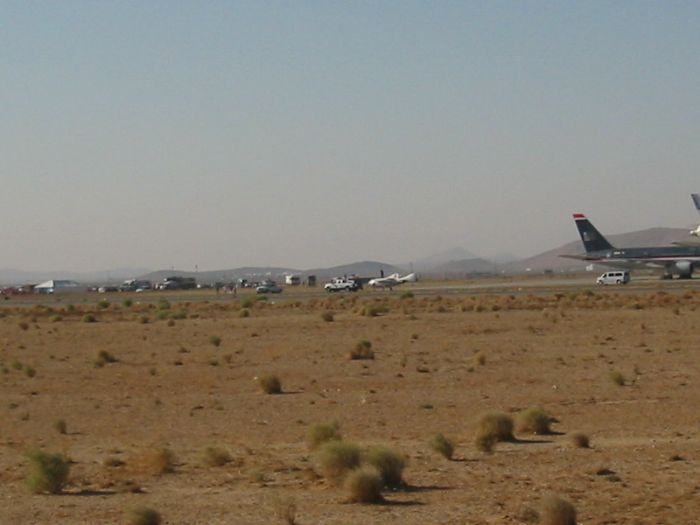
<point>58,286</point>
<point>292,280</point>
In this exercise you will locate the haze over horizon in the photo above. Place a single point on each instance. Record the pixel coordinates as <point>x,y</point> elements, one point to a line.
<point>310,134</point>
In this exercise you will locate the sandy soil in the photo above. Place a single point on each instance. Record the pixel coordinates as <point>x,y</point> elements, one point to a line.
<point>171,387</point>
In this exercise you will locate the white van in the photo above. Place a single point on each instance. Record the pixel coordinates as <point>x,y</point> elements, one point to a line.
<point>616,277</point>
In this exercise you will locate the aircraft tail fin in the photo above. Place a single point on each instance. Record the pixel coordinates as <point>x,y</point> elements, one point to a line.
<point>696,200</point>
<point>593,240</point>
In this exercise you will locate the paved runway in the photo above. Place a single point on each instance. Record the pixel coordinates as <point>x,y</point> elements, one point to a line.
<point>519,285</point>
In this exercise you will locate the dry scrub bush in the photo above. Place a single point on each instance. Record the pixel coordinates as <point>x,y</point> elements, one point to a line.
<point>364,485</point>
<point>534,420</point>
<point>47,472</point>
<point>374,310</point>
<point>144,516</point>
<point>270,384</point>
<point>215,457</point>
<point>328,317</point>
<point>617,377</point>
<point>337,458</point>
<point>389,463</point>
<point>103,358</point>
<point>580,440</point>
<point>60,426</point>
<point>179,315</point>
<point>484,441</point>
<point>443,446</point>
<point>321,433</point>
<point>556,511</point>
<point>154,462</point>
<point>286,510</point>
<point>362,350</point>
<point>498,425</point>
<point>215,340</point>
<point>89,318</point>
<point>479,359</point>
<point>244,313</point>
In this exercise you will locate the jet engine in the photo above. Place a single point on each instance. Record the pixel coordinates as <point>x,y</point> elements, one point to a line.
<point>684,269</point>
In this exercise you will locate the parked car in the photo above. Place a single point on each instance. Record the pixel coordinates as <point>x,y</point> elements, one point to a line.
<point>268,287</point>
<point>616,277</point>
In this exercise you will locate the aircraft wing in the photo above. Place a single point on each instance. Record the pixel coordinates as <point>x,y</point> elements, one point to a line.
<point>696,200</point>
<point>579,257</point>
<point>687,243</point>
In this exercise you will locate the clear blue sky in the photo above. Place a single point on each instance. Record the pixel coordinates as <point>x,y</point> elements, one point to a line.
<point>219,134</point>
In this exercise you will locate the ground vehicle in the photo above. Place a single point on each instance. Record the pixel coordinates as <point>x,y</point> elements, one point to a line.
<point>339,284</point>
<point>268,287</point>
<point>616,277</point>
<point>135,285</point>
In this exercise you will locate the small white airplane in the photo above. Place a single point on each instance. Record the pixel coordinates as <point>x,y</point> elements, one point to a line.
<point>696,201</point>
<point>393,280</point>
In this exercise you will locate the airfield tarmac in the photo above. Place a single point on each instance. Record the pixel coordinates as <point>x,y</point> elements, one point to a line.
<point>510,285</point>
<point>545,342</point>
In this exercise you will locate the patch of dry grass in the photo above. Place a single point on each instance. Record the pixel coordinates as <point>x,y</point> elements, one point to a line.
<point>215,457</point>
<point>154,462</point>
<point>443,446</point>
<point>144,516</point>
<point>337,458</point>
<point>556,511</point>
<point>364,485</point>
<point>270,384</point>
<point>498,425</point>
<point>47,472</point>
<point>321,433</point>
<point>534,420</point>
<point>388,462</point>
<point>617,377</point>
<point>362,350</point>
<point>60,426</point>
<point>580,440</point>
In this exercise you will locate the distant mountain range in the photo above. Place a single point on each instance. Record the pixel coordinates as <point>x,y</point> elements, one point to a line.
<point>12,276</point>
<point>255,273</point>
<point>455,263</point>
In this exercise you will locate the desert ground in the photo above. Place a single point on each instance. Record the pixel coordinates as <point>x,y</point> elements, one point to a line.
<point>148,376</point>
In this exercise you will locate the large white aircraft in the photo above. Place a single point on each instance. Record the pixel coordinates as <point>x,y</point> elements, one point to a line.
<point>681,259</point>
<point>393,280</point>
<point>696,201</point>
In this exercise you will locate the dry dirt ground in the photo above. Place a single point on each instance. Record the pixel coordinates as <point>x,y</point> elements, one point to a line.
<point>171,387</point>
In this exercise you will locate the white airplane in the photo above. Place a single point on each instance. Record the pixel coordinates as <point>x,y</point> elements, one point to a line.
<point>696,201</point>
<point>393,280</point>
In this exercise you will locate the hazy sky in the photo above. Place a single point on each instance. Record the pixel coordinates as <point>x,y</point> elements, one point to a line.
<point>219,134</point>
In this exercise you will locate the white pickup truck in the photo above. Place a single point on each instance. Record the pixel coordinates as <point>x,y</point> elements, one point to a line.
<point>340,284</point>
